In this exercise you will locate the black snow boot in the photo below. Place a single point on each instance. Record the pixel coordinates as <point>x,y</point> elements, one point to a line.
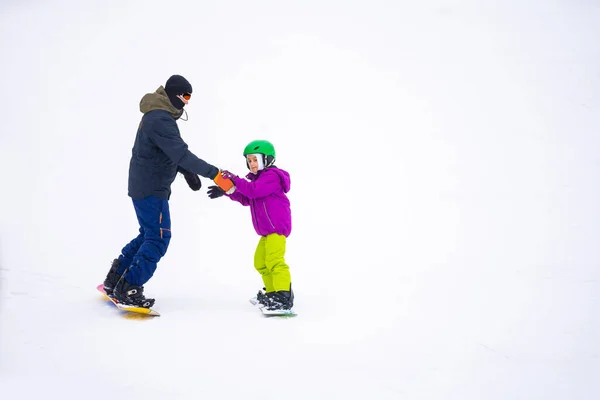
<point>282,300</point>
<point>130,295</point>
<point>261,297</point>
<point>112,278</point>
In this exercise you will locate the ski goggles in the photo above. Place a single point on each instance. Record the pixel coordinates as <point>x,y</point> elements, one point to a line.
<point>184,97</point>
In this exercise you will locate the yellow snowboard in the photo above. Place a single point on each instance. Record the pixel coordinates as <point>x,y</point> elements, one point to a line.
<point>136,310</point>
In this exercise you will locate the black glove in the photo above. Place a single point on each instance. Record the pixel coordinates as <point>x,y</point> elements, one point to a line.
<point>192,180</point>
<point>215,192</point>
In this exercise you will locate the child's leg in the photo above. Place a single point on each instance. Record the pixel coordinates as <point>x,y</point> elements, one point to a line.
<point>275,262</point>
<point>259,264</point>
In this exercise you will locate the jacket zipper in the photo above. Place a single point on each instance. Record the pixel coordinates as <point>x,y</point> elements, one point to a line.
<point>254,217</point>
<point>267,214</point>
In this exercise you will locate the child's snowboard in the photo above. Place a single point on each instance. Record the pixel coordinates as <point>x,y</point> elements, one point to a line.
<point>280,313</point>
<point>272,313</point>
<point>137,310</point>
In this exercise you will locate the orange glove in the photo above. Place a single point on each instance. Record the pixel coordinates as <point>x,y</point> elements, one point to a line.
<point>224,183</point>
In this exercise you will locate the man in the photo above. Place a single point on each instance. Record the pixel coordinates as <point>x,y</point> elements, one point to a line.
<point>158,154</point>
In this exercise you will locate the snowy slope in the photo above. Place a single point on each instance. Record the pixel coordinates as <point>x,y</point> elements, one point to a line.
<point>444,171</point>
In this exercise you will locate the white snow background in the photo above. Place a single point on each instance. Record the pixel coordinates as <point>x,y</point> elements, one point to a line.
<point>445,191</point>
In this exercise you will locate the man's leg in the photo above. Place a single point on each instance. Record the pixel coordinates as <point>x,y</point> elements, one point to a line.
<point>129,251</point>
<point>155,220</point>
<point>120,265</point>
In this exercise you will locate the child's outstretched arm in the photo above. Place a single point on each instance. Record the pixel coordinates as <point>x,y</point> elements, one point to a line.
<point>240,198</point>
<point>214,192</point>
<point>266,185</point>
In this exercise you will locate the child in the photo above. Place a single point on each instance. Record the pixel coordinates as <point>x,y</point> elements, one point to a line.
<point>265,193</point>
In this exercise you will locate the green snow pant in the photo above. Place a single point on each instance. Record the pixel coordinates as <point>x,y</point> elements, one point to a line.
<point>270,263</point>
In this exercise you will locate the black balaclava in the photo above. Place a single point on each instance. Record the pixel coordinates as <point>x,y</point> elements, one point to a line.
<point>177,85</point>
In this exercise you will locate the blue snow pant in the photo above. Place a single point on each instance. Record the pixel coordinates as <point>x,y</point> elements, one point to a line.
<point>143,253</point>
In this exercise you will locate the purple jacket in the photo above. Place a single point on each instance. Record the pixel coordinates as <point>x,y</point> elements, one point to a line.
<point>265,194</point>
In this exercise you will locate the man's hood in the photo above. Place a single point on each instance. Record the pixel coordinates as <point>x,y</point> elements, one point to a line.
<point>159,101</point>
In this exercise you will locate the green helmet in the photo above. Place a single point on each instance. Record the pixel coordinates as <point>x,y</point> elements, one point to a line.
<point>263,147</point>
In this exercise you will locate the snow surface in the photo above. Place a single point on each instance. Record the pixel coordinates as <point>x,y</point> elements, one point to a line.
<point>445,191</point>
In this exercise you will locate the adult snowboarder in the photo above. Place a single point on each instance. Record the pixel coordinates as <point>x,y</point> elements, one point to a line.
<point>158,154</point>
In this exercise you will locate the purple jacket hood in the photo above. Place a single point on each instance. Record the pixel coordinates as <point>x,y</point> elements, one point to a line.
<point>283,175</point>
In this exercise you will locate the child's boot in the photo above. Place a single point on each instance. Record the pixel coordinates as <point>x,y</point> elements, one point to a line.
<point>282,300</point>
<point>261,298</point>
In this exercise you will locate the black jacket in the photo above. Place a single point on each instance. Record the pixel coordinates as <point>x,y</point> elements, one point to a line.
<point>159,152</point>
